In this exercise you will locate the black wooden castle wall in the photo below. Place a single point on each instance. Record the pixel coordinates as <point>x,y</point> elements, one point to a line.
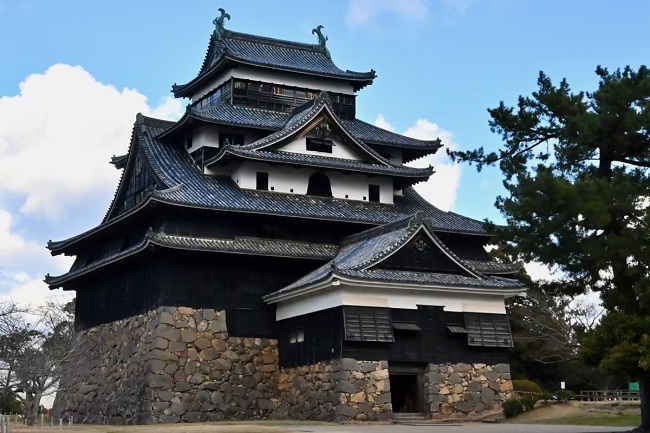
<point>231,282</point>
<point>324,339</point>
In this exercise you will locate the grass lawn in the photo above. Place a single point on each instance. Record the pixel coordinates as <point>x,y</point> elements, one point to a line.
<point>596,420</point>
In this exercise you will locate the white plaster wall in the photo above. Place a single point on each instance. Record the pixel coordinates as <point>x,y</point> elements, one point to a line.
<point>339,149</point>
<point>204,136</point>
<point>284,179</point>
<point>211,85</point>
<point>285,78</point>
<point>388,298</point>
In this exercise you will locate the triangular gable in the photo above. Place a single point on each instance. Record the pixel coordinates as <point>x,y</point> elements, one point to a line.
<point>138,178</point>
<point>317,120</point>
<point>424,252</point>
<point>330,146</point>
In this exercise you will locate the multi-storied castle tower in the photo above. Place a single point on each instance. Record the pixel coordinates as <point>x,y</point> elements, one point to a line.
<point>267,257</point>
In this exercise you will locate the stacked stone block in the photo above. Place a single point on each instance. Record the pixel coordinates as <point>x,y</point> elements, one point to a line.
<point>459,390</point>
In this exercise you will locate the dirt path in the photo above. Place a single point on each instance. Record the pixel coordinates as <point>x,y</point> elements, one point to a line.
<point>563,410</point>
<point>252,427</point>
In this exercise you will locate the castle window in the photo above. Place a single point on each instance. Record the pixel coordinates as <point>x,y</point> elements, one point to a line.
<point>297,336</point>
<point>373,193</point>
<point>319,185</point>
<point>278,90</point>
<point>236,139</point>
<point>318,145</point>
<point>368,324</point>
<point>240,85</point>
<point>262,181</point>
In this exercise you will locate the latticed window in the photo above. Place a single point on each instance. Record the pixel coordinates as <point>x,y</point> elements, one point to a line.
<point>488,330</point>
<point>368,324</point>
<point>140,184</point>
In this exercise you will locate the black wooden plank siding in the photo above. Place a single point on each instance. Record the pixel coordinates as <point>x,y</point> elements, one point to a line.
<point>326,337</point>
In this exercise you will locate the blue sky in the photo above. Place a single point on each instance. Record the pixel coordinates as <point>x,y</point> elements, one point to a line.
<point>73,73</point>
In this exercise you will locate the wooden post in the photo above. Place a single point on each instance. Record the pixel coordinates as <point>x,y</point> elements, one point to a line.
<point>60,423</point>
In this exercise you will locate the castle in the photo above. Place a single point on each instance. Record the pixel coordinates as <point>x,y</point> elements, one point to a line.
<point>267,257</point>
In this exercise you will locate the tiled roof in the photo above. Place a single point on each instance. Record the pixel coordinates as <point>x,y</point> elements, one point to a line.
<point>270,53</point>
<point>227,114</point>
<point>495,267</point>
<point>376,135</point>
<point>360,257</point>
<point>451,280</point>
<point>188,186</point>
<point>322,162</point>
<point>248,245</point>
<point>239,245</point>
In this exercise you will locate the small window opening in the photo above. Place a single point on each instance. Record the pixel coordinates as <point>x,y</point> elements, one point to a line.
<point>272,188</point>
<point>291,190</point>
<point>373,193</point>
<point>262,181</point>
<point>231,139</point>
<point>318,145</point>
<point>319,185</point>
<point>297,336</point>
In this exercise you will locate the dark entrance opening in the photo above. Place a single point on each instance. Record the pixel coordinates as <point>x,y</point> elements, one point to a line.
<point>319,185</point>
<point>405,393</point>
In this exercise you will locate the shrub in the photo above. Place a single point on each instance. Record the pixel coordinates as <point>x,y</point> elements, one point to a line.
<point>528,401</point>
<point>564,395</point>
<point>547,396</point>
<point>512,408</point>
<point>523,385</point>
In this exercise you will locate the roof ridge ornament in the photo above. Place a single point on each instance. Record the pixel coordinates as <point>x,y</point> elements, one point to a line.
<point>219,26</point>
<point>322,40</point>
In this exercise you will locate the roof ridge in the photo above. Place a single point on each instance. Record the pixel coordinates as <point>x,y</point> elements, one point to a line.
<point>266,40</point>
<point>378,231</point>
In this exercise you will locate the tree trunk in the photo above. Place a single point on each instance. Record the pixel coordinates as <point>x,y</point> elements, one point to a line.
<point>644,395</point>
<point>33,404</point>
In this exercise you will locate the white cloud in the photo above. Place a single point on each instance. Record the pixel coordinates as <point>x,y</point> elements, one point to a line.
<point>11,243</point>
<point>57,135</point>
<point>364,12</point>
<point>381,122</point>
<point>442,187</point>
<point>540,272</point>
<point>56,138</point>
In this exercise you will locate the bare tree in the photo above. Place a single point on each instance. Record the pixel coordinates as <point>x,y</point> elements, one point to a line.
<point>32,353</point>
<point>547,328</point>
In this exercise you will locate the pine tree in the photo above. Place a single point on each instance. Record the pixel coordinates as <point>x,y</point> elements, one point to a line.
<point>575,168</point>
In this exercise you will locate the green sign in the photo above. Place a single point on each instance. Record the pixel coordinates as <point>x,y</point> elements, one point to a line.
<point>633,386</point>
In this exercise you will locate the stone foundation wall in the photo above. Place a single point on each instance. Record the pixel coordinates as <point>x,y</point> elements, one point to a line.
<point>308,392</point>
<point>341,390</point>
<point>105,381</point>
<point>363,389</point>
<point>462,390</point>
<point>179,364</point>
<point>169,365</point>
<point>199,373</point>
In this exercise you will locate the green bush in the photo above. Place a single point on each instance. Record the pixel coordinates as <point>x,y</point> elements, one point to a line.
<point>512,408</point>
<point>547,396</point>
<point>528,401</point>
<point>523,385</point>
<point>564,394</point>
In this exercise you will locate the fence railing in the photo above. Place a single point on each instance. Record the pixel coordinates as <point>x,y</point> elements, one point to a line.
<point>608,395</point>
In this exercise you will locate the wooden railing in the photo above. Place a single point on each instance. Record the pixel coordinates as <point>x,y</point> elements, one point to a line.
<point>608,395</point>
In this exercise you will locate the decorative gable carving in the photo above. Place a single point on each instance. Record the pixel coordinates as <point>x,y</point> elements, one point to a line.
<point>421,254</point>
